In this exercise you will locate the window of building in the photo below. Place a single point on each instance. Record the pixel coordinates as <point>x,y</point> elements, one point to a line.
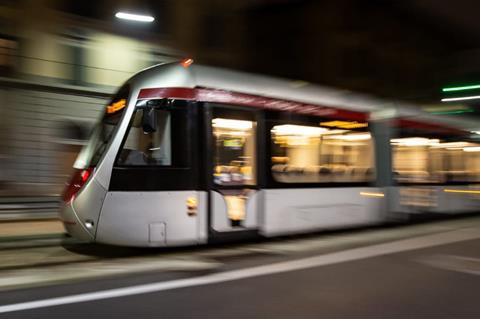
<point>334,152</point>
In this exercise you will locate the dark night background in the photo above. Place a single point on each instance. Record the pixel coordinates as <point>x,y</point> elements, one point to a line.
<point>401,49</point>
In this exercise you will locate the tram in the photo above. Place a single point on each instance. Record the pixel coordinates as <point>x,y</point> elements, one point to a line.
<point>188,154</point>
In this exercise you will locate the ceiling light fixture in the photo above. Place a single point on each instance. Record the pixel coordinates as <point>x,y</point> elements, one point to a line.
<point>134,17</point>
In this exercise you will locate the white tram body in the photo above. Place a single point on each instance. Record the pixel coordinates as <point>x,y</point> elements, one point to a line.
<point>188,154</point>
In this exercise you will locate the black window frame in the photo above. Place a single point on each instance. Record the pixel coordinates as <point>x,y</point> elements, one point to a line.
<point>161,177</point>
<point>187,149</point>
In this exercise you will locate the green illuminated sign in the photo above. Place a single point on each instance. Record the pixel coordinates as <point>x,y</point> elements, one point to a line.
<point>453,112</point>
<point>461,88</point>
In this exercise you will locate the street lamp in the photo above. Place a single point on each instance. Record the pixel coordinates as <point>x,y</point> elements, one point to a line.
<point>134,17</point>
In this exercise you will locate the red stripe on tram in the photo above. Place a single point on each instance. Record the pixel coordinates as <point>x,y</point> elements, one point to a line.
<point>156,93</point>
<point>428,126</point>
<point>235,98</point>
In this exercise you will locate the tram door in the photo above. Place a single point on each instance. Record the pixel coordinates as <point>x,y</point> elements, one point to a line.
<point>234,197</point>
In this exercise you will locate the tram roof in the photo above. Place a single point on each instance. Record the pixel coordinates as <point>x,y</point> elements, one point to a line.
<point>291,90</point>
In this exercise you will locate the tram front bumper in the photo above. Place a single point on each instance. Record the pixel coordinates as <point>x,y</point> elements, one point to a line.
<point>73,225</point>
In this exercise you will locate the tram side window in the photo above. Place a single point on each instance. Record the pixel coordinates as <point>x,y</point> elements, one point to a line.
<point>234,151</point>
<point>465,164</point>
<point>165,146</point>
<point>315,154</point>
<point>414,161</point>
<point>420,159</point>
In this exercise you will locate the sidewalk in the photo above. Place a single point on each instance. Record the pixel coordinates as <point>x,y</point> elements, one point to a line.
<point>27,229</point>
<point>24,218</point>
<point>28,208</point>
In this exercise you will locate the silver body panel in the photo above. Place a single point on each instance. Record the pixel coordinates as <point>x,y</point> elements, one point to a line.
<point>73,223</point>
<point>88,203</point>
<point>84,209</point>
<point>434,199</point>
<point>127,219</point>
<point>290,211</point>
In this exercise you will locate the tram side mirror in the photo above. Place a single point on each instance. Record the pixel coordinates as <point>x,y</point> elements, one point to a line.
<point>149,119</point>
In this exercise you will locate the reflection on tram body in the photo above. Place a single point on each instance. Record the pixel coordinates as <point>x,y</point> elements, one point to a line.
<point>308,154</point>
<point>432,160</point>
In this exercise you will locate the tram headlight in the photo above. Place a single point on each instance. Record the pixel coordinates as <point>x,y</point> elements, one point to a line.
<point>89,223</point>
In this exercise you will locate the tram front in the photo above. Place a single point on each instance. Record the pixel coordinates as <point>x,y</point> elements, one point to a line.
<point>86,190</point>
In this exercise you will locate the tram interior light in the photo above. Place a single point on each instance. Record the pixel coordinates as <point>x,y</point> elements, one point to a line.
<point>451,145</point>
<point>289,129</point>
<point>232,124</point>
<point>435,143</point>
<point>351,137</point>
<point>415,141</point>
<point>134,17</point>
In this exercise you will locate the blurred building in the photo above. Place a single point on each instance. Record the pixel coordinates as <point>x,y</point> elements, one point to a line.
<point>56,72</point>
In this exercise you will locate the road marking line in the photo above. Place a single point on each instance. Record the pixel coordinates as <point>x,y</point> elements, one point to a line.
<point>463,264</point>
<point>276,268</point>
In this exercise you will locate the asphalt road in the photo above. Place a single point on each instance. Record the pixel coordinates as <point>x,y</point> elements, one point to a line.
<point>426,276</point>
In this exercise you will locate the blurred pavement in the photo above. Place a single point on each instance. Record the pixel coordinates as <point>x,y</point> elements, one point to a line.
<point>32,228</point>
<point>28,208</point>
<point>388,272</point>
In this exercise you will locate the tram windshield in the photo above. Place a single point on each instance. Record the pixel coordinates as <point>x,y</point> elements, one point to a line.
<point>103,132</point>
